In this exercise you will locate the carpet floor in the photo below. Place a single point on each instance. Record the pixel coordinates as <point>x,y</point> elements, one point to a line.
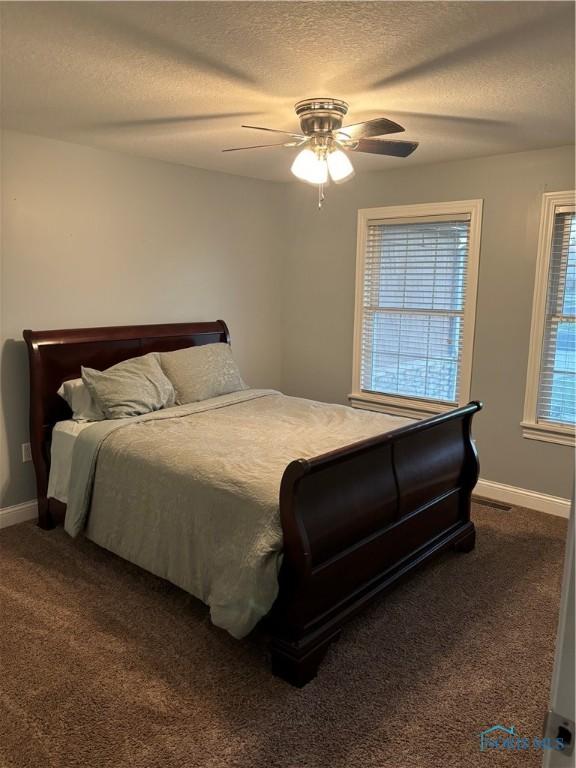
<point>105,666</point>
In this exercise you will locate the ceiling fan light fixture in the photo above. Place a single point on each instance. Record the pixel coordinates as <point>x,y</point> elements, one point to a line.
<point>339,166</point>
<point>324,143</point>
<point>311,167</point>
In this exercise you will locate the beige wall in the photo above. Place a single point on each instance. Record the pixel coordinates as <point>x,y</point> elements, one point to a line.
<point>99,238</point>
<point>319,294</point>
<point>95,238</point>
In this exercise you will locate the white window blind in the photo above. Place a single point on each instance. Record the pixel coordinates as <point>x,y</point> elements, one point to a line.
<point>414,294</point>
<point>557,381</point>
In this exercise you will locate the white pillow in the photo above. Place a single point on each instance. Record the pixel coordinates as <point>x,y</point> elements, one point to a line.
<point>76,394</point>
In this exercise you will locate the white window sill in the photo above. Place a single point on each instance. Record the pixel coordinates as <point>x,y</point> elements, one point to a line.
<point>548,433</point>
<point>398,406</point>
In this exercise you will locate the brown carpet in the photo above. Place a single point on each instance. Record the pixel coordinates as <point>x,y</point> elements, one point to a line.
<point>105,666</point>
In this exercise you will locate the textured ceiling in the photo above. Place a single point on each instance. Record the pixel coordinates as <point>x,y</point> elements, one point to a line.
<point>174,81</point>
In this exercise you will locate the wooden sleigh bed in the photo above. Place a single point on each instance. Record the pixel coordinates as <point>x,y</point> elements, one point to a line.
<point>354,521</point>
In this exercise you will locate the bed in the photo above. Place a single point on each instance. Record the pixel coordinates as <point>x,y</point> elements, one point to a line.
<point>352,521</point>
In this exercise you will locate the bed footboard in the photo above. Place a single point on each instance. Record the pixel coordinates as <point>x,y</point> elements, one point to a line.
<point>358,519</point>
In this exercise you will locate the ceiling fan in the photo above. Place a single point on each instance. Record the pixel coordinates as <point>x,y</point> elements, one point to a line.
<point>324,142</point>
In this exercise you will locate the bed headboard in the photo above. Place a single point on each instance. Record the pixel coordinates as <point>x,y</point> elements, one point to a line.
<point>56,356</point>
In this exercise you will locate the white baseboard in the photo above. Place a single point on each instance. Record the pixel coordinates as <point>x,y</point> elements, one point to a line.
<point>19,513</point>
<point>520,497</point>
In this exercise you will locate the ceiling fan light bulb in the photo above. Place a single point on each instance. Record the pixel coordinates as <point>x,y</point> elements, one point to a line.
<point>310,167</point>
<point>340,167</point>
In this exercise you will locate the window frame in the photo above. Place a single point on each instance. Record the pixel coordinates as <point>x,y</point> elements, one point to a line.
<point>409,405</point>
<point>532,429</point>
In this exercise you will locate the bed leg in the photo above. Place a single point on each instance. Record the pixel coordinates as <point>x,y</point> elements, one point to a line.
<point>45,520</point>
<point>467,542</point>
<point>298,664</point>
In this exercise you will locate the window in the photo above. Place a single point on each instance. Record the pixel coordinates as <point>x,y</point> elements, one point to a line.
<point>416,282</point>
<point>550,406</point>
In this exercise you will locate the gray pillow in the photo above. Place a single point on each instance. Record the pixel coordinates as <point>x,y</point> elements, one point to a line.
<point>130,388</point>
<point>198,373</point>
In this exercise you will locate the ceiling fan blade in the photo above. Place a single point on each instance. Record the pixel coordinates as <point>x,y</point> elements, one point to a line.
<point>261,146</point>
<point>380,126</point>
<point>382,147</point>
<point>275,130</point>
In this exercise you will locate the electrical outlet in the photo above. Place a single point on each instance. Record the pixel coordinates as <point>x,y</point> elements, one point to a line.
<point>26,453</point>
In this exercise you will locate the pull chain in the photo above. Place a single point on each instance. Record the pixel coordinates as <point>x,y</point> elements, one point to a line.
<point>321,195</point>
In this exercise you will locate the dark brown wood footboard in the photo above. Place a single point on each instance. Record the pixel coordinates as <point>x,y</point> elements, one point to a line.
<point>358,519</point>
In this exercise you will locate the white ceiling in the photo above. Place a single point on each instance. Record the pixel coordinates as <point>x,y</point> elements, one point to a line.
<point>175,81</point>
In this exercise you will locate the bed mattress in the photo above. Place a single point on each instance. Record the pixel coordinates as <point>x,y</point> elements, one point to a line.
<point>64,437</point>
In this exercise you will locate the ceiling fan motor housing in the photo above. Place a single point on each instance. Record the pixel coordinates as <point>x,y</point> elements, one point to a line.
<point>321,115</point>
